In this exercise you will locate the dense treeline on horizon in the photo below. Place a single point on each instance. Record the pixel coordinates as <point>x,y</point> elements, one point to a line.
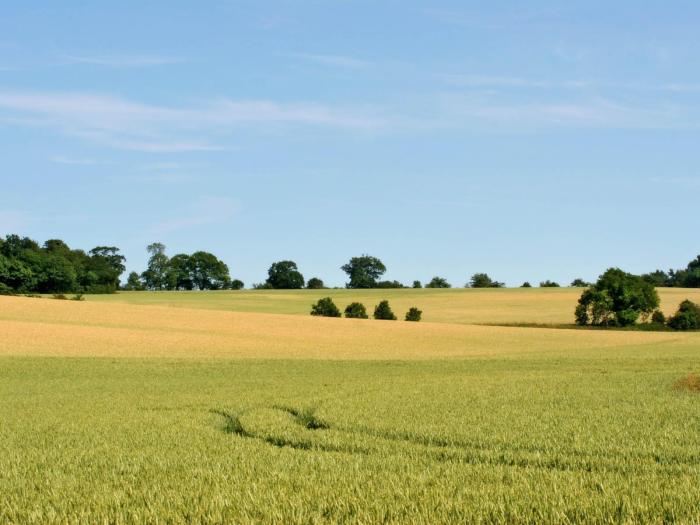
<point>27,267</point>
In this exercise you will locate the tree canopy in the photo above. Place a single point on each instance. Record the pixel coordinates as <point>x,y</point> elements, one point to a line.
<point>618,298</point>
<point>285,275</point>
<point>438,282</point>
<point>26,267</point>
<point>482,280</point>
<point>363,271</point>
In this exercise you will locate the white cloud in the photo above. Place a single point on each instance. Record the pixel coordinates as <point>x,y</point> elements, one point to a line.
<point>333,60</point>
<point>124,124</point>
<point>120,61</point>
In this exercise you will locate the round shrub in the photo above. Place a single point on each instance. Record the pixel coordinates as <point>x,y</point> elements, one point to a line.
<point>414,314</point>
<point>356,311</point>
<point>658,317</point>
<point>383,312</point>
<point>687,317</point>
<point>315,284</point>
<point>325,308</point>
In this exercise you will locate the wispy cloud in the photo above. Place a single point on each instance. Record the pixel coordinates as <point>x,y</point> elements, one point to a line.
<point>74,161</point>
<point>333,60</point>
<point>124,124</point>
<point>120,61</point>
<point>205,211</point>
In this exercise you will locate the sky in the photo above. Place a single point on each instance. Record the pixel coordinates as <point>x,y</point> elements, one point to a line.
<point>530,140</point>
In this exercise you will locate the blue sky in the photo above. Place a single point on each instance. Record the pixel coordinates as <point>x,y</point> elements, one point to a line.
<point>531,140</point>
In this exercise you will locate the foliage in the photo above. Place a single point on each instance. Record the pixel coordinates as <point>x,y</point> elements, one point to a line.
<point>284,275</point>
<point>414,314</point>
<point>315,284</point>
<point>154,277</point>
<point>237,284</point>
<point>549,284</point>
<point>326,308</point>
<point>356,311</point>
<point>482,280</point>
<point>26,267</point>
<point>616,299</point>
<point>198,271</point>
<point>579,283</point>
<point>526,284</point>
<point>658,317</point>
<point>689,277</point>
<point>363,271</point>
<point>383,312</point>
<point>417,284</point>
<point>686,318</point>
<point>438,282</point>
<point>133,283</point>
<point>262,286</point>
<point>388,284</point>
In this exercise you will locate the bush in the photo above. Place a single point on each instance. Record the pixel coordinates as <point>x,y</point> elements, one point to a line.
<point>236,284</point>
<point>579,283</point>
<point>658,317</point>
<point>60,296</point>
<point>78,297</point>
<point>482,280</point>
<point>617,299</point>
<point>325,308</point>
<point>315,284</point>
<point>549,284</point>
<point>686,318</point>
<point>383,312</point>
<point>356,311</point>
<point>413,314</point>
<point>526,284</point>
<point>6,290</point>
<point>438,282</point>
<point>284,275</point>
<point>389,284</point>
<point>262,286</point>
<point>417,284</point>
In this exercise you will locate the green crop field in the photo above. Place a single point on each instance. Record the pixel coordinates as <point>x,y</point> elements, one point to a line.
<point>223,408</point>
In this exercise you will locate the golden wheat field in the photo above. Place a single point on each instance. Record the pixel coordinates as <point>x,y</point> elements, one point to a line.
<point>185,408</point>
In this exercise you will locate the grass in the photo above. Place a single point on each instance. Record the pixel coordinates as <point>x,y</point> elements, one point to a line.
<point>125,413</point>
<point>455,305</point>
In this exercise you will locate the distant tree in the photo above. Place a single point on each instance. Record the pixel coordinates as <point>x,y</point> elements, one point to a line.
<point>414,314</point>
<point>107,264</point>
<point>383,312</point>
<point>208,272</point>
<point>388,284</point>
<point>686,318</point>
<point>179,273</point>
<point>658,278</point>
<point>579,283</point>
<point>356,311</point>
<point>616,299</point>
<point>133,282</point>
<point>154,277</point>
<point>482,280</point>
<point>692,277</point>
<point>325,308</point>
<point>363,271</point>
<point>549,284</point>
<point>236,284</point>
<point>284,275</point>
<point>526,284</point>
<point>438,282</point>
<point>315,284</point>
<point>417,284</point>
<point>262,286</point>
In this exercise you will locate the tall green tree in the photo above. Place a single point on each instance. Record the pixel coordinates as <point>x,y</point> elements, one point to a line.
<point>208,272</point>
<point>618,298</point>
<point>482,280</point>
<point>285,275</point>
<point>154,277</point>
<point>438,282</point>
<point>363,271</point>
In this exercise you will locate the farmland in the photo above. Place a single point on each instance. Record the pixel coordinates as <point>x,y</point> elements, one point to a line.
<point>239,407</point>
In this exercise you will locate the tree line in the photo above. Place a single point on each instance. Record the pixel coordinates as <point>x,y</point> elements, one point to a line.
<point>27,267</point>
